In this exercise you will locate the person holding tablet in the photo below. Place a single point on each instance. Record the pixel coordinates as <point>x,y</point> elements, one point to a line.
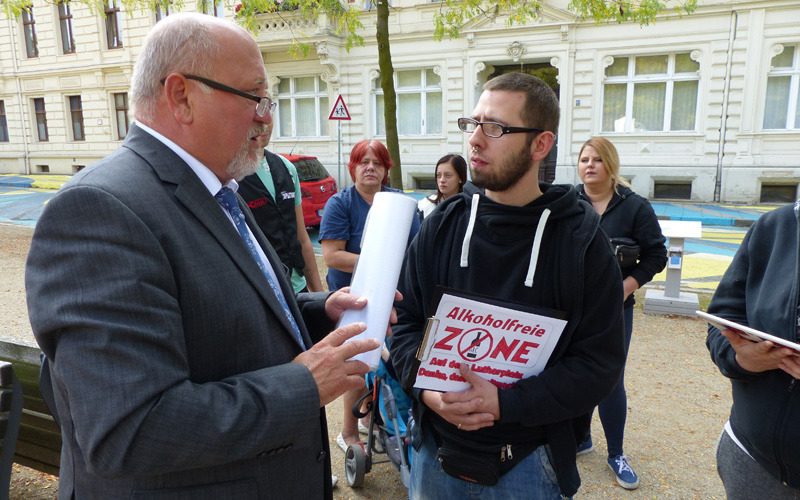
<point>758,455</point>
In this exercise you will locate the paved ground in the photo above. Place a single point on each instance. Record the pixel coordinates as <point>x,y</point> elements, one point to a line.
<point>39,181</point>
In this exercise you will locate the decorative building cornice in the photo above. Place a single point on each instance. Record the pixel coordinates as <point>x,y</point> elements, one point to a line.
<point>479,67</point>
<point>331,76</point>
<point>516,49</point>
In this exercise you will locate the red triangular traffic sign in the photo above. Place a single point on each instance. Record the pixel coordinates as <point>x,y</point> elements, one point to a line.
<point>339,111</point>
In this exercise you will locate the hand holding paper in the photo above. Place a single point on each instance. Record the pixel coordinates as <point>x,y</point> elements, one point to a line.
<point>342,300</point>
<point>378,268</point>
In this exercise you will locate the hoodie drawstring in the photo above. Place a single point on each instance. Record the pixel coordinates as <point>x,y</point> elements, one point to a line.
<point>537,239</point>
<point>473,214</point>
<point>537,242</point>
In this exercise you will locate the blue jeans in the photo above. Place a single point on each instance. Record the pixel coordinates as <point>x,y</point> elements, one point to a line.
<point>533,477</point>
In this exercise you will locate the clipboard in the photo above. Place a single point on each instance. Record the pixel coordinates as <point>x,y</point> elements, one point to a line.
<point>745,331</point>
<point>501,340</point>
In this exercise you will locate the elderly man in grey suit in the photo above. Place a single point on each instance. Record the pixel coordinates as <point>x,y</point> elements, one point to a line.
<point>183,366</point>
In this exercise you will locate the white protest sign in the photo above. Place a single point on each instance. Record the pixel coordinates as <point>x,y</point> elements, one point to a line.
<point>500,344</point>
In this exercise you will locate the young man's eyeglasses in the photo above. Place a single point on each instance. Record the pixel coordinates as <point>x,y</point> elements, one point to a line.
<point>492,129</point>
<point>264,103</point>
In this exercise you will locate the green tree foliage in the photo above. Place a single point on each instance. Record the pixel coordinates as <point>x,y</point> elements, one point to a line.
<point>454,14</point>
<point>643,12</point>
<point>342,20</point>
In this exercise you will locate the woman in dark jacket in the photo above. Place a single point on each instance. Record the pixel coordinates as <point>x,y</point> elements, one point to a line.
<point>630,222</point>
<point>758,455</point>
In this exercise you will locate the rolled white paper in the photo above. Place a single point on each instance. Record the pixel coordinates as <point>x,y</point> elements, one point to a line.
<point>375,277</point>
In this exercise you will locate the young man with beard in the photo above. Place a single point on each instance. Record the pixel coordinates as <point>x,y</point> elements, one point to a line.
<point>511,238</point>
<point>183,366</point>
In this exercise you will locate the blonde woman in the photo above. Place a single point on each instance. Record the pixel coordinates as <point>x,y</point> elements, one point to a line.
<point>630,222</point>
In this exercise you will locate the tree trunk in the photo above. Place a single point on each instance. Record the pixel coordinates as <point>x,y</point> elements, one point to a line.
<point>389,96</point>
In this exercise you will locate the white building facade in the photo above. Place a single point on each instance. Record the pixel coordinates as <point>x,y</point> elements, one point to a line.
<point>703,107</point>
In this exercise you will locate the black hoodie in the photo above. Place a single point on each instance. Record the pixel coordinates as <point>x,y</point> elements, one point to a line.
<point>629,215</point>
<point>760,289</point>
<point>573,271</point>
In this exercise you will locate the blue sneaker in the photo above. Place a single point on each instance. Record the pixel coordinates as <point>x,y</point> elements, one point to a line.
<point>585,447</point>
<point>625,475</point>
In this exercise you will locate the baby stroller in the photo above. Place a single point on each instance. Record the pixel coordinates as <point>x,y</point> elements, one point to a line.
<point>391,421</point>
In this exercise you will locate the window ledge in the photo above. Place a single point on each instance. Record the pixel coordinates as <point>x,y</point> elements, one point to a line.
<point>793,132</point>
<point>654,134</point>
<point>414,137</point>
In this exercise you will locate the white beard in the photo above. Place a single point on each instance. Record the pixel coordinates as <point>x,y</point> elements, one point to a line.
<point>242,165</point>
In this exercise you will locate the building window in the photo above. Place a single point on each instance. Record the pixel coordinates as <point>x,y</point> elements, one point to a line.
<point>782,109</point>
<point>3,123</point>
<point>76,115</point>
<point>44,169</point>
<point>121,112</point>
<point>778,193</point>
<point>29,27</point>
<point>41,119</point>
<point>162,10</point>
<point>77,168</point>
<point>651,93</point>
<point>419,103</point>
<point>672,190</point>
<point>113,32</point>
<point>425,183</point>
<point>65,21</point>
<point>303,107</point>
<point>212,7</point>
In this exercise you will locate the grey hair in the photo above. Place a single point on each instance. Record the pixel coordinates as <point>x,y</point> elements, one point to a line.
<point>180,43</point>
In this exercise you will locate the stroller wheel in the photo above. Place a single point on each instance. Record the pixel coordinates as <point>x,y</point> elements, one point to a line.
<point>355,465</point>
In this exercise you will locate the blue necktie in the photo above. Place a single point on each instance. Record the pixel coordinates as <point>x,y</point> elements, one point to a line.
<point>227,199</point>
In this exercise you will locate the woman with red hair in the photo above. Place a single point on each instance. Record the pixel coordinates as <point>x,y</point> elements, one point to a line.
<point>345,212</point>
<point>340,234</point>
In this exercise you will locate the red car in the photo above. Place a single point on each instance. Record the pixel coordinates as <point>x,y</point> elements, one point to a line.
<point>316,186</point>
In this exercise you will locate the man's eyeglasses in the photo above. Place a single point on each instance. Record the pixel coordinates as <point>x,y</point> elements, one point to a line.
<point>264,103</point>
<point>492,129</point>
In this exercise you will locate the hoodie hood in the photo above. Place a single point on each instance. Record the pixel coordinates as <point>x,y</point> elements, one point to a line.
<point>622,191</point>
<point>505,224</point>
<point>559,198</point>
<point>619,195</point>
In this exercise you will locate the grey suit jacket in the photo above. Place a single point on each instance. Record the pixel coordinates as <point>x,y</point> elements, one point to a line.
<point>170,354</point>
